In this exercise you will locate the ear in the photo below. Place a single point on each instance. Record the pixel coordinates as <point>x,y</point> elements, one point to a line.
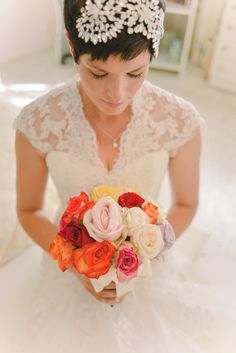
<point>69,44</point>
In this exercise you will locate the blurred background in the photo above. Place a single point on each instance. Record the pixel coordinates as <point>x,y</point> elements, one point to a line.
<point>197,61</point>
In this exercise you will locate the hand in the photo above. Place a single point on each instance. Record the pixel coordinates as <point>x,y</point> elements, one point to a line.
<point>107,295</point>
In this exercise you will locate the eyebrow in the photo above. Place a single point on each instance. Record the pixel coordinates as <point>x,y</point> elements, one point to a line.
<point>97,68</point>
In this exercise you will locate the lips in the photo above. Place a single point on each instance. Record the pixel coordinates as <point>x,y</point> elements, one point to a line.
<point>113,105</point>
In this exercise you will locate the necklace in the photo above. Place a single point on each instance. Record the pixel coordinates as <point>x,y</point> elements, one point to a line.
<point>114,140</point>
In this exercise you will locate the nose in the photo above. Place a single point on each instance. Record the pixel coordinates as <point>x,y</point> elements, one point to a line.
<point>116,90</point>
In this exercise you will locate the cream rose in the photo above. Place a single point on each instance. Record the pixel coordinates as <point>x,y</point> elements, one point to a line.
<point>149,240</point>
<point>104,221</point>
<point>134,218</point>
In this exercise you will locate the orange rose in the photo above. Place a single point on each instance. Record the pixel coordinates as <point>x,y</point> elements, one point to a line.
<point>95,259</point>
<point>152,212</point>
<point>77,207</point>
<point>61,251</point>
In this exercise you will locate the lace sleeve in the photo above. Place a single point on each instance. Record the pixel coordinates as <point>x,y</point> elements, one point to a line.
<point>187,121</point>
<point>174,119</point>
<point>43,122</point>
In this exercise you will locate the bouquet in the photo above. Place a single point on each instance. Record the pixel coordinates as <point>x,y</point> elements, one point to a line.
<point>111,236</point>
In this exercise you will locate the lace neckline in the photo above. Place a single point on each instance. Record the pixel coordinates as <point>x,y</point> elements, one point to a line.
<point>94,148</point>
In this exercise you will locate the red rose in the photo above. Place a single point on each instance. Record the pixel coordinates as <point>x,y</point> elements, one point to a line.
<point>130,199</point>
<point>76,234</point>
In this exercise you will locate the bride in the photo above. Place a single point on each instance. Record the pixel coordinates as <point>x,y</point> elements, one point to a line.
<point>110,126</point>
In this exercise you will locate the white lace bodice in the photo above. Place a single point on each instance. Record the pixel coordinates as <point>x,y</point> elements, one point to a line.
<point>56,125</point>
<point>187,306</point>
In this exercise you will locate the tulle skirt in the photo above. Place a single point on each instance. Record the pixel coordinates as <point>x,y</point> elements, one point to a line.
<point>187,306</point>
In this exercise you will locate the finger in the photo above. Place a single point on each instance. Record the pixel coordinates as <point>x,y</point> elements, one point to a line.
<point>108,293</point>
<point>105,294</point>
<point>110,301</point>
<point>90,288</point>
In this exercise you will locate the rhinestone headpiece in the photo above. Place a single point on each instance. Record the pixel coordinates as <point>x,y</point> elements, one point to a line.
<point>102,20</point>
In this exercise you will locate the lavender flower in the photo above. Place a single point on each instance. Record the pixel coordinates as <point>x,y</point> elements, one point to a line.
<point>168,234</point>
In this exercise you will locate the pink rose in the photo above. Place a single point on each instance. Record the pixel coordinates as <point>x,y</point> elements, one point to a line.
<point>104,221</point>
<point>127,263</point>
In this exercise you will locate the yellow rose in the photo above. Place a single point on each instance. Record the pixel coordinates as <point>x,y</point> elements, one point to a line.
<point>104,191</point>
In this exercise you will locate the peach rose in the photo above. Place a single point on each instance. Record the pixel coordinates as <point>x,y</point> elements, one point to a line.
<point>104,221</point>
<point>94,259</point>
<point>149,240</point>
<point>61,251</point>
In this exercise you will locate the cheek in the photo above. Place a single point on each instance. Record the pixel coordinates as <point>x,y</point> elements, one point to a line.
<point>91,86</point>
<point>134,84</point>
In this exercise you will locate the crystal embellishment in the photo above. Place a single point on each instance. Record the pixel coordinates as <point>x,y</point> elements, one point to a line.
<point>102,20</point>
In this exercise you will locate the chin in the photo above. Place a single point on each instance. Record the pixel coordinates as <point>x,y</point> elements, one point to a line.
<point>113,110</point>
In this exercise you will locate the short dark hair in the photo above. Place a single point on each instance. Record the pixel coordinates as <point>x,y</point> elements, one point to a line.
<point>127,46</point>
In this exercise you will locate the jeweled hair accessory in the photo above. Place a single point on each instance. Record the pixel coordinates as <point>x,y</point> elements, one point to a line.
<point>102,20</point>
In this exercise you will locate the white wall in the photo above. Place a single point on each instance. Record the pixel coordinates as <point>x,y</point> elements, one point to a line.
<point>26,26</point>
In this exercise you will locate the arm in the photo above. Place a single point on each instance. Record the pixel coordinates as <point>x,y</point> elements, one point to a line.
<point>31,180</point>
<point>31,183</point>
<point>184,180</point>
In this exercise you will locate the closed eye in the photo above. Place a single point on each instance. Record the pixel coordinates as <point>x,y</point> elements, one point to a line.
<point>98,77</point>
<point>101,76</point>
<point>135,76</point>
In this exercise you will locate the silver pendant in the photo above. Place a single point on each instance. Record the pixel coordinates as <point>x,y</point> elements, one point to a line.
<point>115,144</point>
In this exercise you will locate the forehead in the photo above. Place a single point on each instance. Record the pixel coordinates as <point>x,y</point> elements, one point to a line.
<point>115,64</point>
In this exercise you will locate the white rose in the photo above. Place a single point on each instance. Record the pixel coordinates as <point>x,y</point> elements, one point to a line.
<point>134,218</point>
<point>104,221</point>
<point>149,240</point>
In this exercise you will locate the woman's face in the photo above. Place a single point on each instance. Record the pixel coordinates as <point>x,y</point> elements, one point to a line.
<point>111,85</point>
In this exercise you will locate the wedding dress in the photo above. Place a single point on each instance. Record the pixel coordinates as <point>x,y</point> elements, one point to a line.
<point>188,305</point>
